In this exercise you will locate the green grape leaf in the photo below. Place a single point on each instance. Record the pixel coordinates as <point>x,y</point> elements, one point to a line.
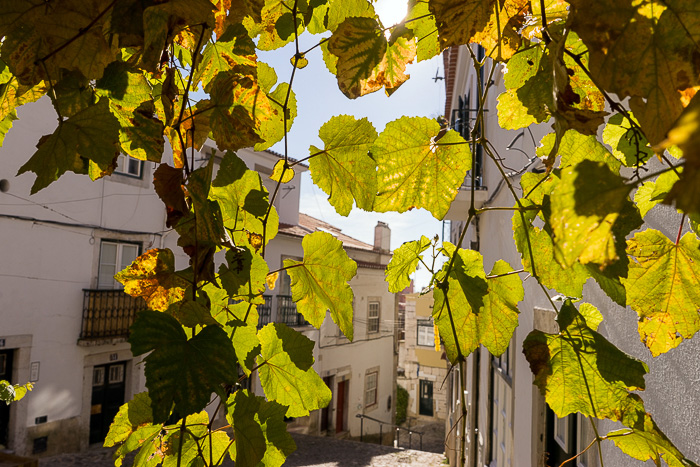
<point>329,59</point>
<point>320,281</point>
<point>585,205</point>
<point>252,417</point>
<point>340,10</point>
<point>267,77</point>
<point>578,370</point>
<point>243,275</point>
<point>629,145</point>
<point>241,410</point>
<point>499,318</point>
<point>6,125</point>
<point>653,192</point>
<point>282,172</point>
<point>461,305</point>
<point>662,288</point>
<point>131,101</point>
<point>243,200</point>
<point>343,169</point>
<point>267,27</point>
<point>417,168</point>
<point>13,392</point>
<point>565,280</point>
<point>286,373</point>
<point>591,315</point>
<point>390,72</point>
<point>234,50</point>
<point>132,427</point>
<point>641,55</point>
<point>152,276</point>
<point>424,29</point>
<point>89,136</point>
<point>404,262</point>
<point>493,25</point>
<point>181,371</point>
<point>575,147</point>
<point>39,43</point>
<point>73,93</point>
<point>272,128</point>
<point>645,441</point>
<point>360,46</point>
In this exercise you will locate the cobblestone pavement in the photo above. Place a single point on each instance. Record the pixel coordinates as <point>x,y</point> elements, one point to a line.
<point>311,451</point>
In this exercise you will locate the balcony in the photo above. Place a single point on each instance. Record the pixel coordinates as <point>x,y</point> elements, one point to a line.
<point>287,312</point>
<point>265,312</point>
<point>108,314</point>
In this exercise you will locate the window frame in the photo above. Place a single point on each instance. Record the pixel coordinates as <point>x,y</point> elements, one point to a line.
<point>425,323</point>
<point>124,165</point>
<point>369,390</point>
<point>373,322</point>
<point>118,260</point>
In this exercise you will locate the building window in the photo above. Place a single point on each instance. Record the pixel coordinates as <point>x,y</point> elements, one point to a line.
<point>114,257</point>
<point>373,317</point>
<point>129,166</point>
<point>371,379</point>
<point>584,436</point>
<point>426,333</point>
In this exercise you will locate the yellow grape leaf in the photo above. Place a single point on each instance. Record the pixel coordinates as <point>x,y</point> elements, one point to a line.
<point>360,46</point>
<point>390,72</point>
<point>424,28</point>
<point>642,50</point>
<point>153,277</point>
<point>271,280</point>
<point>493,24</point>
<point>416,169</point>
<point>663,287</point>
<point>281,172</point>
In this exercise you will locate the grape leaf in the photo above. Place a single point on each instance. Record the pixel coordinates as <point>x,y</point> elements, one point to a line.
<point>272,128</point>
<point>243,275</point>
<point>132,427</point>
<point>390,72</point>
<point>285,370</point>
<point>180,370</point>
<point>629,145</point>
<point>499,318</point>
<point>585,205</point>
<point>152,276</point>
<point>251,417</point>
<point>654,192</point>
<point>494,25</point>
<point>243,200</point>
<point>320,281</point>
<point>343,168</point>
<point>461,303</point>
<point>267,27</point>
<point>89,136</point>
<point>6,125</point>
<point>360,46</point>
<point>13,94</point>
<point>662,287</point>
<point>417,168</point>
<point>282,172</point>
<point>578,370</point>
<point>422,23</point>
<point>645,53</point>
<point>233,50</point>
<point>404,262</point>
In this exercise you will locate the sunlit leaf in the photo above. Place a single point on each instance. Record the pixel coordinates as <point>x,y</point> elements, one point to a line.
<point>629,145</point>
<point>390,72</point>
<point>132,427</point>
<point>272,128</point>
<point>243,275</point>
<point>152,276</point>
<point>320,281</point>
<point>662,288</point>
<point>404,262</point>
<point>422,23</point>
<point>267,28</point>
<point>360,45</point>
<point>494,25</point>
<point>585,205</point>
<point>285,370</point>
<point>578,370</point>
<point>497,322</point>
<point>179,370</point>
<point>653,192</point>
<point>234,50</point>
<point>416,169</point>
<point>90,135</point>
<point>343,168</point>
<point>281,172</point>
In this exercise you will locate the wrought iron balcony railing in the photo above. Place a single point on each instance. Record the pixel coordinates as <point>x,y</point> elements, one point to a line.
<point>108,313</point>
<point>265,312</point>
<point>287,312</point>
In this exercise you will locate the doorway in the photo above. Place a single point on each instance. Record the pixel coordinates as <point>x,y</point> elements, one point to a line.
<point>326,419</point>
<point>6,357</point>
<point>108,390</point>
<point>426,398</point>
<point>341,407</point>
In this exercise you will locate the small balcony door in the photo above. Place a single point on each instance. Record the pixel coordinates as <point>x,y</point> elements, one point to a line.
<point>426,398</point>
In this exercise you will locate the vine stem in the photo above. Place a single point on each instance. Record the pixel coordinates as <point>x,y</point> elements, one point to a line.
<point>285,268</point>
<point>680,229</point>
<point>182,441</point>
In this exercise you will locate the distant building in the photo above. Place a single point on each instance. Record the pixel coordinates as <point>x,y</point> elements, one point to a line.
<point>422,366</point>
<point>65,321</point>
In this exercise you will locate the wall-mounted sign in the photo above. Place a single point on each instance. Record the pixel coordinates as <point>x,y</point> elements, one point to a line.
<point>2,342</point>
<point>34,372</point>
<point>113,357</point>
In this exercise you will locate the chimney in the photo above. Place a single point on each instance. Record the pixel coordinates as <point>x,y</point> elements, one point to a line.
<point>382,237</point>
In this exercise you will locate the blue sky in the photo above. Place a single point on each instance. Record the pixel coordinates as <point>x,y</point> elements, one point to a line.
<point>319,99</point>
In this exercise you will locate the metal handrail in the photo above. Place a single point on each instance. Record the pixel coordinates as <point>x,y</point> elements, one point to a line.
<point>396,427</point>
